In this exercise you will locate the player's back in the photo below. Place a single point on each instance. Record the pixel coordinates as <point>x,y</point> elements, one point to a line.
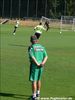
<point>39,28</point>
<point>38,51</point>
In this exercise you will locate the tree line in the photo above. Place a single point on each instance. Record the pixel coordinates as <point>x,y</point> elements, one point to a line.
<point>36,8</point>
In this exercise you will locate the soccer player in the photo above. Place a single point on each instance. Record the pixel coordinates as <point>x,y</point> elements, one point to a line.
<point>15,27</point>
<point>38,57</point>
<point>38,30</point>
<point>47,25</point>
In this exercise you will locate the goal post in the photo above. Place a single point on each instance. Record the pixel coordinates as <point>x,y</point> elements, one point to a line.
<point>67,23</point>
<point>44,19</point>
<point>45,22</point>
<point>73,26</point>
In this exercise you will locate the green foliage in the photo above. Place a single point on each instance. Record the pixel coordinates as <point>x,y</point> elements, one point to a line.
<point>60,7</point>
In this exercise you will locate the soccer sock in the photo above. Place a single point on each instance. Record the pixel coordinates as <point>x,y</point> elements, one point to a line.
<point>38,92</point>
<point>34,95</point>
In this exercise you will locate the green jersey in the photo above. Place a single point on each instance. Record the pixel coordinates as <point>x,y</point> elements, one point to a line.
<point>38,51</point>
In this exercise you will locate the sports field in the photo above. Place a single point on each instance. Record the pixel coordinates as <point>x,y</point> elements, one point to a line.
<point>58,78</point>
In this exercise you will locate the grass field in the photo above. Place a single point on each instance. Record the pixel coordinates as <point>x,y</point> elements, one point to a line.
<point>58,78</point>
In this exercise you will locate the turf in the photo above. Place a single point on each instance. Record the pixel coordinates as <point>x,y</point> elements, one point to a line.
<point>58,78</point>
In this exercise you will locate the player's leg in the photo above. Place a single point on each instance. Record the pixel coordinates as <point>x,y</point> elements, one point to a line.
<point>38,88</point>
<point>47,26</point>
<point>39,81</point>
<point>33,79</point>
<point>34,88</point>
<point>14,30</point>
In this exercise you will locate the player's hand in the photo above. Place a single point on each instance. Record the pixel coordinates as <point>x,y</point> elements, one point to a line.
<point>38,64</point>
<point>42,64</point>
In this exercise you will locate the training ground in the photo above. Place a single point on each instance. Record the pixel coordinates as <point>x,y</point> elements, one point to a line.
<point>58,78</point>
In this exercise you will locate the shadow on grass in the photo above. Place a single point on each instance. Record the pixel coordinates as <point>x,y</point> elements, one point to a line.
<point>17,96</point>
<point>18,45</point>
<point>73,97</point>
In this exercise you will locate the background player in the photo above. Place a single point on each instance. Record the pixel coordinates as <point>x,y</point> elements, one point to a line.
<point>47,25</point>
<point>15,27</point>
<point>38,30</point>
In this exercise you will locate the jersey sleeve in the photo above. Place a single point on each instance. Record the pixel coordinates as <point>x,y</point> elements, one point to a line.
<point>45,53</point>
<point>35,27</point>
<point>31,52</point>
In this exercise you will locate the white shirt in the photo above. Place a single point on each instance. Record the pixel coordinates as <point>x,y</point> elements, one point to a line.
<point>17,24</point>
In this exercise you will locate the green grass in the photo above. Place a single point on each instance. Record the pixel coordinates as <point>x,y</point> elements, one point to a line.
<point>58,78</point>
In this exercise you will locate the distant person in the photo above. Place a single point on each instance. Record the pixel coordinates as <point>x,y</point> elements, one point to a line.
<point>47,25</point>
<point>15,27</point>
<point>38,57</point>
<point>38,30</point>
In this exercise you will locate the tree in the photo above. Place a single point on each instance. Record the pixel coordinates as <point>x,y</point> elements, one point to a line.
<point>70,7</point>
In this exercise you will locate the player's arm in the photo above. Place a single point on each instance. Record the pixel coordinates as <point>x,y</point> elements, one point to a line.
<point>32,56</point>
<point>44,61</point>
<point>35,28</point>
<point>45,58</point>
<point>35,61</point>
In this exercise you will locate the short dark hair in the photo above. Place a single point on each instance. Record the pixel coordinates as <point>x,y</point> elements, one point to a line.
<point>40,23</point>
<point>33,38</point>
